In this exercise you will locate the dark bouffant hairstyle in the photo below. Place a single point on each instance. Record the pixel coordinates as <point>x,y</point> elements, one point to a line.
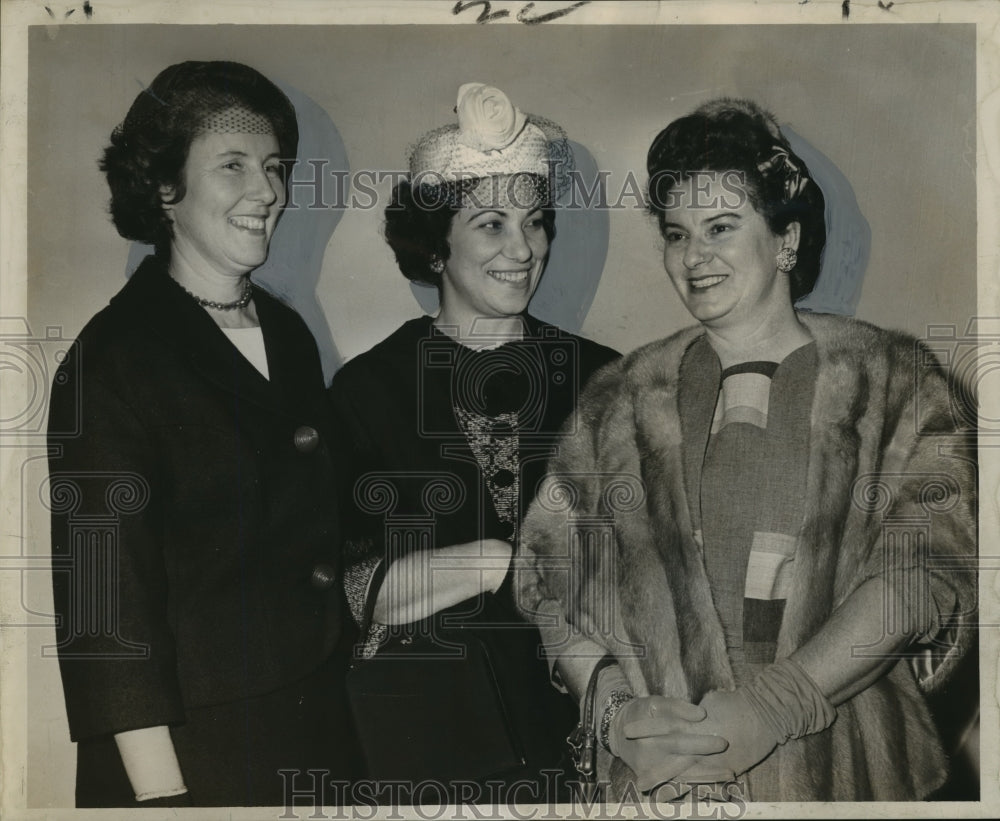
<point>737,135</point>
<point>149,149</point>
<point>418,219</point>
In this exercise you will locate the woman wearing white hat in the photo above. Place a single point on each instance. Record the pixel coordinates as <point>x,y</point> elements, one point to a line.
<point>447,426</point>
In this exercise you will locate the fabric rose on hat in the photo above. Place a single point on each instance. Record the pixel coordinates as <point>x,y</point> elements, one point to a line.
<point>487,120</point>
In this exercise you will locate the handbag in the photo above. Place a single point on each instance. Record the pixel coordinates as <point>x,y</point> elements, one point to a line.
<point>427,704</point>
<point>583,740</point>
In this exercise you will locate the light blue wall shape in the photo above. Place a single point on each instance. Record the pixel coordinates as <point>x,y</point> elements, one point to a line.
<point>848,236</point>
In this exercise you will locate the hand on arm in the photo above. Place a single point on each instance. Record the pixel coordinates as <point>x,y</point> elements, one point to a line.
<point>782,702</point>
<point>427,581</point>
<point>797,696</point>
<point>658,737</point>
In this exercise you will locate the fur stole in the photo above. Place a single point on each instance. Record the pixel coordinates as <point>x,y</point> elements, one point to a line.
<point>891,463</point>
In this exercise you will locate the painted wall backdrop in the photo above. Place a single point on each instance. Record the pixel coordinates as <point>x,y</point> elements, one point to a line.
<point>891,109</point>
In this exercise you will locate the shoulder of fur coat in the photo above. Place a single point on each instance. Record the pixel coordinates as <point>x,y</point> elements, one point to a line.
<point>856,350</point>
<point>883,408</point>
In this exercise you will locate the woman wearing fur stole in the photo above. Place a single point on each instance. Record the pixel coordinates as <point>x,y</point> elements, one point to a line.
<point>766,523</point>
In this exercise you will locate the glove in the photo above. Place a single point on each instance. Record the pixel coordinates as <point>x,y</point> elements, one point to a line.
<point>751,740</point>
<point>660,738</point>
<point>783,702</point>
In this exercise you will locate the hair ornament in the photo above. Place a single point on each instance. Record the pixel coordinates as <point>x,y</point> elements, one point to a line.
<point>781,162</point>
<point>237,120</point>
<point>487,119</point>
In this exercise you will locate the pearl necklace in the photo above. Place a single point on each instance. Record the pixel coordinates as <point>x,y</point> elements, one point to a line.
<point>242,302</point>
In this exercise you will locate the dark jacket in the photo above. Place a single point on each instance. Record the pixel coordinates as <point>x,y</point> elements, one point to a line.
<point>193,531</point>
<point>410,466</point>
<point>394,408</point>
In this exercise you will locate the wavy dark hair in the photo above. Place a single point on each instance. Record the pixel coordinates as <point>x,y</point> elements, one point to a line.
<point>418,219</point>
<point>737,135</point>
<point>149,149</point>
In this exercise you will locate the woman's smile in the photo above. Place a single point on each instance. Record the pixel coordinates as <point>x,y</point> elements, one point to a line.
<point>496,260</point>
<point>255,225</point>
<point>722,260</point>
<point>704,283</point>
<point>518,277</point>
<point>234,192</point>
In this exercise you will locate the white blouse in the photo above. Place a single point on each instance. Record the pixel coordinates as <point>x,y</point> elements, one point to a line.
<point>250,343</point>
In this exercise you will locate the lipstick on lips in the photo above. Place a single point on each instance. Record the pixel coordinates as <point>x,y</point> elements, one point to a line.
<point>702,283</point>
<point>520,275</point>
<point>249,223</point>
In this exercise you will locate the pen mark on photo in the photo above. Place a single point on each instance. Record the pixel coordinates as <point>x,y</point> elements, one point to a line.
<point>522,15</point>
<point>486,15</point>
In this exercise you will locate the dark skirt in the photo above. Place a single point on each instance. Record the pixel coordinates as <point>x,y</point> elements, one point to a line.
<point>233,754</point>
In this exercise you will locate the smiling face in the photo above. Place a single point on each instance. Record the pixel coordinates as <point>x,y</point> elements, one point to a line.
<point>720,254</point>
<point>495,263</point>
<point>233,196</point>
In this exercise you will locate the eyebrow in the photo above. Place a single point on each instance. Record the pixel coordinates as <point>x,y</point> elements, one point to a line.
<point>719,216</point>
<point>478,214</point>
<point>235,152</point>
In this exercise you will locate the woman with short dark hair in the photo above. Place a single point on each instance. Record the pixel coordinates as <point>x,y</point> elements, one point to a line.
<point>449,421</point>
<point>197,639</point>
<point>783,470</point>
<point>149,150</point>
<point>418,222</point>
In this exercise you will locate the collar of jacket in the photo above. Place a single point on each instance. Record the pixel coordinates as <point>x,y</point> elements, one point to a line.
<point>153,300</point>
<point>423,327</point>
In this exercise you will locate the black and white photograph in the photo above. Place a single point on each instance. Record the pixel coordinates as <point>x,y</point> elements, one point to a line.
<point>499,409</point>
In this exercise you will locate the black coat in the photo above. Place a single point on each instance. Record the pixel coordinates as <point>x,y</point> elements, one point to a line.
<point>395,417</point>
<point>194,540</point>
